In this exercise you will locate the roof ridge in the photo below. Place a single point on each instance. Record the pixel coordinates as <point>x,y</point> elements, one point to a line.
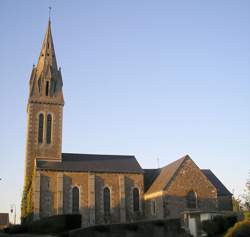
<point>169,172</point>
<point>95,154</point>
<point>184,158</point>
<point>94,163</point>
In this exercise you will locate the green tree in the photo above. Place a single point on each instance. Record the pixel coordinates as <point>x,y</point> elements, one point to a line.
<point>237,204</point>
<point>246,195</point>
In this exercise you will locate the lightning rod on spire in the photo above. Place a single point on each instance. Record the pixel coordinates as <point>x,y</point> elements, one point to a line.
<point>50,11</point>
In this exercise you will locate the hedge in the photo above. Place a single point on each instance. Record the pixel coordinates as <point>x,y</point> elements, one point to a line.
<point>240,229</point>
<point>148,228</point>
<point>48,225</point>
<point>218,225</point>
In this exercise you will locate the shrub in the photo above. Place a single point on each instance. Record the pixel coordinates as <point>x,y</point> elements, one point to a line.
<point>229,222</point>
<point>55,224</point>
<point>63,234</point>
<point>103,228</point>
<point>15,229</point>
<point>240,229</point>
<point>159,223</point>
<point>247,215</point>
<point>218,225</point>
<point>207,227</point>
<point>132,227</point>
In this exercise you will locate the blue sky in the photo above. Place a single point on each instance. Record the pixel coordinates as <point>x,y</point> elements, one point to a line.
<point>157,79</point>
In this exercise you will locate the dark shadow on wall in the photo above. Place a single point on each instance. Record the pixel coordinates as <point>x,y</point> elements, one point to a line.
<point>172,206</point>
<point>132,216</point>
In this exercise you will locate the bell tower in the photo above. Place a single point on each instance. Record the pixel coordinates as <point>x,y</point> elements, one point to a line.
<point>45,108</point>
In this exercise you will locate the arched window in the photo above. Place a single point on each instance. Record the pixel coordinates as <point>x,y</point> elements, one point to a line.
<point>75,200</point>
<point>136,200</point>
<point>191,200</point>
<point>49,126</point>
<point>106,201</point>
<point>40,128</point>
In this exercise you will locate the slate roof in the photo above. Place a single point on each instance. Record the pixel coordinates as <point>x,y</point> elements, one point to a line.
<point>221,189</point>
<point>4,219</point>
<point>166,175</point>
<point>149,177</point>
<point>92,162</point>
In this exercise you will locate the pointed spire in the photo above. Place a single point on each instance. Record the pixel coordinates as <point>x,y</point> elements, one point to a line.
<point>47,56</point>
<point>46,80</point>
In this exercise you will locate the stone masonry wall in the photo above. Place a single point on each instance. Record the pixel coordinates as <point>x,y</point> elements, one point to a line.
<point>189,178</point>
<point>45,151</point>
<point>173,200</point>
<point>49,195</point>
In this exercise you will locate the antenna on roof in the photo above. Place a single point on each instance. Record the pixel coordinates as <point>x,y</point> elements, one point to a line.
<point>158,162</point>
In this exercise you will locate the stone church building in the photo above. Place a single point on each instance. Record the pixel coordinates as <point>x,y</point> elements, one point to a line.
<point>102,188</point>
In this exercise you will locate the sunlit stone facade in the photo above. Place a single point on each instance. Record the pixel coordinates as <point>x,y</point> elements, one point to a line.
<point>102,188</point>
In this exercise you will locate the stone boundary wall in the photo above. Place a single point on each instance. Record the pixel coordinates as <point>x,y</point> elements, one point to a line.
<point>159,228</point>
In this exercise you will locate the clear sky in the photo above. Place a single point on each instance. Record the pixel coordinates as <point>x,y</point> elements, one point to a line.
<point>157,79</point>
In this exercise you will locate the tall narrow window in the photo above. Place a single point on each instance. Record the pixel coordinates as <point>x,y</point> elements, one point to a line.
<point>106,200</point>
<point>153,207</point>
<point>191,200</point>
<point>75,200</point>
<point>39,86</point>
<point>136,200</point>
<point>54,87</point>
<point>49,128</point>
<point>47,88</point>
<point>40,128</point>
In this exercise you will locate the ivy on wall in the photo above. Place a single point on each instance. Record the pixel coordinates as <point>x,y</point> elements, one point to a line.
<point>27,199</point>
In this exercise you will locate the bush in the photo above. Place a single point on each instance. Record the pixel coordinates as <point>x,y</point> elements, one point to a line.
<point>240,229</point>
<point>132,227</point>
<point>159,223</point>
<point>48,225</point>
<point>103,228</point>
<point>218,225</point>
<point>147,228</point>
<point>15,229</point>
<point>247,215</point>
<point>28,219</point>
<point>229,222</point>
<point>55,224</point>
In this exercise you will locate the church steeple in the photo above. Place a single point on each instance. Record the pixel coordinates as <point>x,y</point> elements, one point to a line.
<point>46,80</point>
<point>45,107</point>
<point>47,56</point>
<point>45,116</point>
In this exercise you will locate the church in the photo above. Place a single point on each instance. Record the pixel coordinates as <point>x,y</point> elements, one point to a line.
<point>102,188</point>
